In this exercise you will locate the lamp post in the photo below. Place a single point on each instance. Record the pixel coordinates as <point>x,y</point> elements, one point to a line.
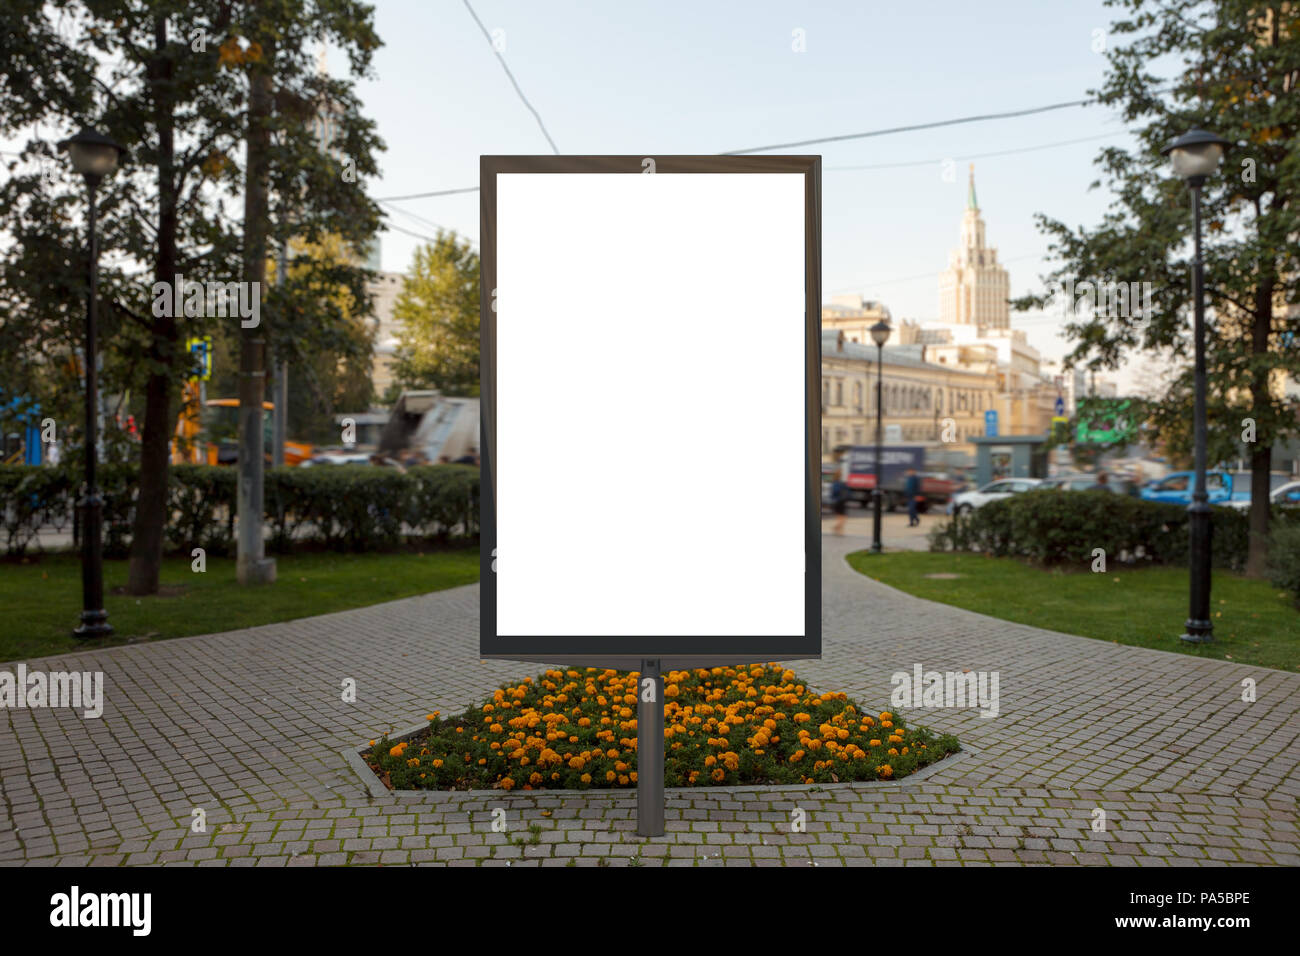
<point>93,155</point>
<point>879,335</point>
<point>1194,156</point>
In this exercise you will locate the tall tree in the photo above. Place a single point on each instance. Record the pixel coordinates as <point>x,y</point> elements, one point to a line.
<point>332,369</point>
<point>1232,67</point>
<point>168,79</point>
<point>438,312</point>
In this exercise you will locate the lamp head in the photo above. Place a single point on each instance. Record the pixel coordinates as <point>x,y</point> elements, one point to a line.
<point>880,333</point>
<point>93,154</point>
<point>1196,154</point>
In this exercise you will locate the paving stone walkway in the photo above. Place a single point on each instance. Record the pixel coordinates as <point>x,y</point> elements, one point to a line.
<point>247,726</point>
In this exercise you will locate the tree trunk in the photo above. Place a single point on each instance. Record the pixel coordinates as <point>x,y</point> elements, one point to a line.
<point>1261,456</point>
<point>151,500</point>
<point>252,566</point>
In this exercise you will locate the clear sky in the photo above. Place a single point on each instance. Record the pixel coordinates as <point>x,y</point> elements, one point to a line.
<point>712,76</point>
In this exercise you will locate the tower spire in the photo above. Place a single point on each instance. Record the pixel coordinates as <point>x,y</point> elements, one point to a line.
<point>970,199</point>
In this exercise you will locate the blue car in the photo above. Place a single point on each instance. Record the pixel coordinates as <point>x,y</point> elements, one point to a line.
<point>1176,488</point>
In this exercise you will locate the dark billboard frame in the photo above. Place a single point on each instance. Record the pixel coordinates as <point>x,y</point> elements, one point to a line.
<point>631,651</point>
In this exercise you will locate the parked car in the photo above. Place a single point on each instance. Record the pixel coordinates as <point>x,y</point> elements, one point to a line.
<point>1087,482</point>
<point>1176,488</point>
<point>937,488</point>
<point>967,501</point>
<point>1283,491</point>
<point>1288,494</point>
<point>338,458</point>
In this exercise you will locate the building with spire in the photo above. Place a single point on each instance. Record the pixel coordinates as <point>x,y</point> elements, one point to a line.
<point>952,372</point>
<point>975,289</point>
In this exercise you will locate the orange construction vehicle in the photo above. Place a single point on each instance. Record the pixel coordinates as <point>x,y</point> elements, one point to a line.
<point>211,436</point>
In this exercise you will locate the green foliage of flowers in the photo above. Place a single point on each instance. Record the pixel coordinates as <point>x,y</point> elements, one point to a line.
<point>728,726</point>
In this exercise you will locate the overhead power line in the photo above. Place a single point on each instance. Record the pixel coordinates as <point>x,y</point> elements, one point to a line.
<point>440,192</point>
<point>878,165</point>
<point>916,278</point>
<point>513,83</point>
<point>1000,152</point>
<point>426,238</point>
<point>912,128</point>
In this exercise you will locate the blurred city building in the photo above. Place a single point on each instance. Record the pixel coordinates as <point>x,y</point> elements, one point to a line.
<point>968,364</point>
<point>385,288</point>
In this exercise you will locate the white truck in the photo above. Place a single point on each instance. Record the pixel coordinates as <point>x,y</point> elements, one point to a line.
<point>441,428</point>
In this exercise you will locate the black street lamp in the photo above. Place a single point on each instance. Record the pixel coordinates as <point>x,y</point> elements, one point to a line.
<point>93,155</point>
<point>1194,156</point>
<point>879,335</point>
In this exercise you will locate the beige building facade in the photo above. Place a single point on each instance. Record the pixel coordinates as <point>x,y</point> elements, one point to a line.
<point>385,288</point>
<point>923,402</point>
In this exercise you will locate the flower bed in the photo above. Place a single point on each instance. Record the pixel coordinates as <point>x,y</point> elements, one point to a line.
<point>729,726</point>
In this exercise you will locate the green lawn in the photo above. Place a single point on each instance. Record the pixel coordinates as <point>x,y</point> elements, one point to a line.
<point>1254,623</point>
<point>42,598</point>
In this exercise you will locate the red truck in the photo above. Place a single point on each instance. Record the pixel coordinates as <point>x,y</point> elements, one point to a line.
<point>857,470</point>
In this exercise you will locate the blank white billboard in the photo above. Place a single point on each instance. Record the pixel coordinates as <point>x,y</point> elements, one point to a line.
<point>649,465</point>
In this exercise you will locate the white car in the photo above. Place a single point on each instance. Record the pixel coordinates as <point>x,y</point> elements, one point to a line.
<point>968,501</point>
<point>1285,494</point>
<point>336,458</point>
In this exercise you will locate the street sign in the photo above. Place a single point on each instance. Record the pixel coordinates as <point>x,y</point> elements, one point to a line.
<point>200,350</point>
<point>1059,407</point>
<point>991,423</point>
<point>600,420</point>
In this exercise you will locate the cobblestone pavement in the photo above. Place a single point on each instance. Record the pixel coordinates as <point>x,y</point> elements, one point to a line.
<point>247,727</point>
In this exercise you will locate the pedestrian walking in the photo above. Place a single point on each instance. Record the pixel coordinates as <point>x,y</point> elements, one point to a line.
<point>839,502</point>
<point>912,492</point>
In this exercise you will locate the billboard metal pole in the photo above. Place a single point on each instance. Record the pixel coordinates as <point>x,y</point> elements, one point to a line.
<point>650,750</point>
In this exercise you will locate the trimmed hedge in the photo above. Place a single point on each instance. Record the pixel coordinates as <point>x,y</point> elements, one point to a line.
<point>343,507</point>
<point>1284,558</point>
<point>1050,526</point>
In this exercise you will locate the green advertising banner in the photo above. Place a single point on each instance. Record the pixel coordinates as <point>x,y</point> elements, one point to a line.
<point>1105,421</point>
